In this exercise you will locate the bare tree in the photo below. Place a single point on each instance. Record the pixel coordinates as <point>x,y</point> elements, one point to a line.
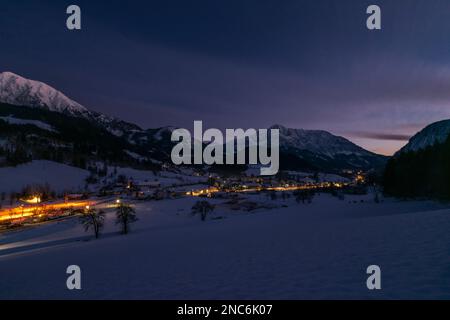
<point>94,219</point>
<point>125,214</point>
<point>304,196</point>
<point>273,195</point>
<point>203,208</point>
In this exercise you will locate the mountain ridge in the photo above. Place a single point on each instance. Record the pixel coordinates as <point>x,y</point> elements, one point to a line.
<point>310,149</point>
<point>318,149</point>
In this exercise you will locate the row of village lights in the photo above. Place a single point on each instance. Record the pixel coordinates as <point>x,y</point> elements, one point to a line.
<point>88,206</point>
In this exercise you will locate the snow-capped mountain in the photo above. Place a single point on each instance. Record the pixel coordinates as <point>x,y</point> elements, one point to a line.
<point>20,91</point>
<point>321,150</point>
<point>25,103</point>
<point>317,141</point>
<point>435,133</point>
<point>23,99</point>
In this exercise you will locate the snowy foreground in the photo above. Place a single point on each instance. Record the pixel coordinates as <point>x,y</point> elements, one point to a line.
<point>320,250</point>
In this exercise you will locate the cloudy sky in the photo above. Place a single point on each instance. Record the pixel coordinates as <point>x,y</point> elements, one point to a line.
<point>243,63</point>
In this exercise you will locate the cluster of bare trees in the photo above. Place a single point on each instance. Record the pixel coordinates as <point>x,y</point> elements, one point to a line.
<point>94,219</point>
<point>304,196</point>
<point>202,208</point>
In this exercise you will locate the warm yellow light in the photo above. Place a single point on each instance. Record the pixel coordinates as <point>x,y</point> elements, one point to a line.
<point>28,211</point>
<point>33,200</point>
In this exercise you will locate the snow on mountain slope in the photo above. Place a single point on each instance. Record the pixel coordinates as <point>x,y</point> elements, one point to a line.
<point>37,123</point>
<point>323,151</point>
<point>160,132</point>
<point>59,176</point>
<point>435,133</point>
<point>317,141</point>
<point>19,91</point>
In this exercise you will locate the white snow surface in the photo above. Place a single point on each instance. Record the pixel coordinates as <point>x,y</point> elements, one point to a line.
<point>320,250</point>
<point>12,120</point>
<point>59,176</point>
<point>166,178</point>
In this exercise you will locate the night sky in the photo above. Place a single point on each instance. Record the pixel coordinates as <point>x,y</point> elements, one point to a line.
<point>303,64</point>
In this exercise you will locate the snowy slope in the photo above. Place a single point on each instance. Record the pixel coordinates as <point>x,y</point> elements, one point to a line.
<point>165,178</point>
<point>60,177</point>
<point>36,123</point>
<point>435,133</point>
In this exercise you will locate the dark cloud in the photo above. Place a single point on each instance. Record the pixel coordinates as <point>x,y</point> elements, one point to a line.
<point>380,136</point>
<point>304,64</point>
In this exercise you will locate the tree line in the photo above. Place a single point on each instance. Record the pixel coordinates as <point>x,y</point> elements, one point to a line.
<point>425,173</point>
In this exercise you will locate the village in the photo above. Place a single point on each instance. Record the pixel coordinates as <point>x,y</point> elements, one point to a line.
<point>38,204</point>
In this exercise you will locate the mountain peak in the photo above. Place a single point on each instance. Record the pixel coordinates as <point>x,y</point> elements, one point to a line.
<point>20,91</point>
<point>8,74</point>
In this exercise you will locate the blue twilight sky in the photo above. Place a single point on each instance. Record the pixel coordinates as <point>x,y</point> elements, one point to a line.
<point>244,63</point>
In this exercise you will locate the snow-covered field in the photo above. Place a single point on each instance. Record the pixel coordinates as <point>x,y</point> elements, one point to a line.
<point>320,250</point>
<point>61,177</point>
<point>166,178</point>
<point>42,172</point>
